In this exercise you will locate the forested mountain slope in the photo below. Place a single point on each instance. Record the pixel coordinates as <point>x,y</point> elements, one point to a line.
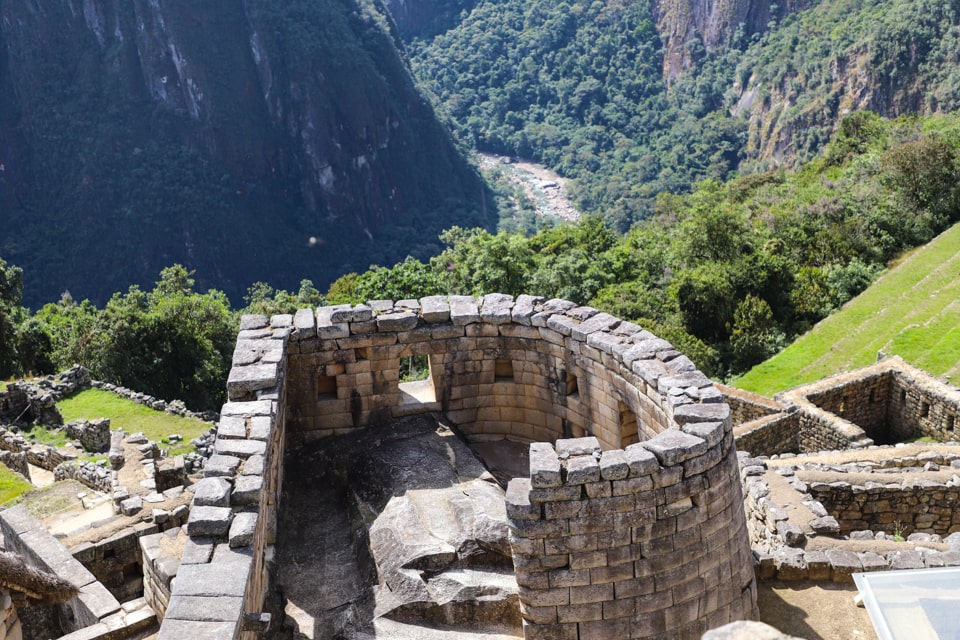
<point>641,97</point>
<point>222,135</point>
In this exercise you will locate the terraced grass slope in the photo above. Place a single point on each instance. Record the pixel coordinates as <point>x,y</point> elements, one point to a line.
<point>913,311</point>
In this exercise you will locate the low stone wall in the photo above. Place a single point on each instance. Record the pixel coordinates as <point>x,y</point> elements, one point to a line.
<point>884,403</point>
<point>40,455</point>
<point>779,539</point>
<point>770,435</point>
<point>93,436</point>
<point>91,474</point>
<point>175,407</point>
<point>23,535</point>
<point>117,561</point>
<point>16,462</point>
<point>746,406</point>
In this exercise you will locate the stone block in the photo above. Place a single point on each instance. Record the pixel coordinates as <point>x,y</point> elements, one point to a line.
<point>642,461</point>
<point>614,465</point>
<point>518,500</point>
<point>204,608</point>
<point>221,466</point>
<point>582,469</point>
<point>246,380</point>
<point>181,629</point>
<point>397,321</point>
<point>464,310</point>
<point>544,466</point>
<point>212,492</point>
<point>209,521</point>
<point>242,529</point>
<point>246,490</point>
<point>673,446</point>
<point>569,447</point>
<point>844,564</point>
<point>240,448</point>
<point>524,307</point>
<point>131,506</point>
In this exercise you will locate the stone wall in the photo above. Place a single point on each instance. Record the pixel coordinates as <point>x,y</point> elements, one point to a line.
<point>746,406</point>
<point>527,370</point>
<point>888,402</point>
<point>543,371</point>
<point>91,474</point>
<point>637,543</point>
<point>23,535</point>
<point>222,580</point>
<point>776,433</point>
<point>93,435</point>
<point>16,462</point>
<point>117,561</point>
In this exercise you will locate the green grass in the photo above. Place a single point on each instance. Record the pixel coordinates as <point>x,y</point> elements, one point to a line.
<point>11,485</point>
<point>912,311</point>
<point>132,417</point>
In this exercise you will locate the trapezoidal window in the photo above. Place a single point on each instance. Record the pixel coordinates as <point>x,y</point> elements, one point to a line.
<point>924,409</point>
<point>326,387</point>
<point>572,389</point>
<point>951,423</point>
<point>416,380</point>
<point>503,370</point>
<point>629,432</point>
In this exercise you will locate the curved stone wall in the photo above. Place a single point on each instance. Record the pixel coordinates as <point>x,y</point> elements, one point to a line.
<point>631,524</point>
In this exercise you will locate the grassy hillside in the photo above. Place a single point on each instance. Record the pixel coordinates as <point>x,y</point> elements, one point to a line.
<point>131,417</point>
<point>912,311</point>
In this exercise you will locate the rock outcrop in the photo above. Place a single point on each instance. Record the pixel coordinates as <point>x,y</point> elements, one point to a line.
<point>415,531</point>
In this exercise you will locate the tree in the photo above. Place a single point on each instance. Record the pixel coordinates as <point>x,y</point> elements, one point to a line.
<point>753,336</point>
<point>171,342</point>
<point>11,290</point>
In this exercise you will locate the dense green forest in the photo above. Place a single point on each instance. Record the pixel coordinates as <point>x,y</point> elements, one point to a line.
<point>730,273</point>
<point>580,87</point>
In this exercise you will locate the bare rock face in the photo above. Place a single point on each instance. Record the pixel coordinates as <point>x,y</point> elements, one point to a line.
<point>410,528</point>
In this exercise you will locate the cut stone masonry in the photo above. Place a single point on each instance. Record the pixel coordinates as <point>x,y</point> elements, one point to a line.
<point>631,524</point>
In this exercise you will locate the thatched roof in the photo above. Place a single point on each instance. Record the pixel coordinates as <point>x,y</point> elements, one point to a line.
<point>33,585</point>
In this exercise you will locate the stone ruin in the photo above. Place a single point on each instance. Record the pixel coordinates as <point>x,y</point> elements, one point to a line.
<point>627,512</point>
<point>629,522</point>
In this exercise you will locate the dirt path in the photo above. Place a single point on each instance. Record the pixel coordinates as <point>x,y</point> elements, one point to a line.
<point>814,610</point>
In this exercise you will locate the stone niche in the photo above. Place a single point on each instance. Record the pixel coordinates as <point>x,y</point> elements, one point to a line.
<point>631,524</point>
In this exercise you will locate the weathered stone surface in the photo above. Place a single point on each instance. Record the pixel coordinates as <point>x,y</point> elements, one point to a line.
<point>438,532</point>
<point>212,492</point>
<point>245,380</point>
<point>131,506</point>
<point>246,490</point>
<point>397,321</point>
<point>434,309</point>
<point>242,529</point>
<point>673,446</point>
<point>569,447</point>
<point>544,466</point>
<point>221,466</point>
<point>209,521</point>
<point>464,310</point>
<point>642,462</point>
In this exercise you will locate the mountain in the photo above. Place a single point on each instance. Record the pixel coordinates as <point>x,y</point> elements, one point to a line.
<point>633,99</point>
<point>254,140</point>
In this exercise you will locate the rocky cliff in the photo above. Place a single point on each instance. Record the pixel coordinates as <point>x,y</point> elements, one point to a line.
<point>689,27</point>
<point>251,140</point>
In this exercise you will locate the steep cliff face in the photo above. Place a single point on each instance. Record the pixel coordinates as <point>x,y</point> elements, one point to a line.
<point>426,18</point>
<point>691,27</point>
<point>255,140</point>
